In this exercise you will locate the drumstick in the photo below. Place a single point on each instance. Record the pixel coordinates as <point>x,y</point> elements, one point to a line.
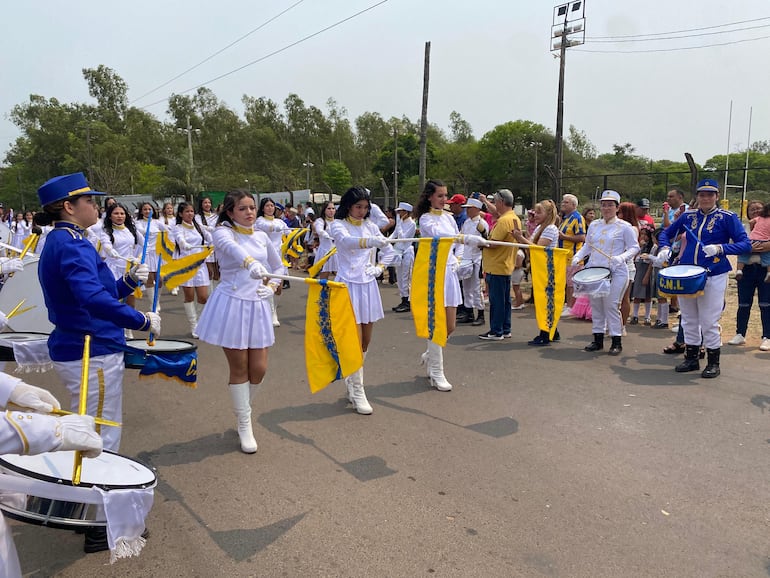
<point>20,311</point>
<point>83,405</point>
<point>30,241</point>
<point>15,309</point>
<point>11,248</point>
<point>598,250</point>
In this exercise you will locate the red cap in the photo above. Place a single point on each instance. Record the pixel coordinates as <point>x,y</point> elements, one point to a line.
<point>457,199</point>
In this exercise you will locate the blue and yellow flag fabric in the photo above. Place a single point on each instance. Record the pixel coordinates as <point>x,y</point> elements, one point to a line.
<point>332,344</point>
<point>427,294</point>
<point>549,280</point>
<point>178,271</point>
<point>164,245</point>
<point>180,368</point>
<point>315,269</point>
<point>292,245</point>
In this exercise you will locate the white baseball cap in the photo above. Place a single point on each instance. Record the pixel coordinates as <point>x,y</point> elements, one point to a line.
<point>404,207</point>
<point>473,203</point>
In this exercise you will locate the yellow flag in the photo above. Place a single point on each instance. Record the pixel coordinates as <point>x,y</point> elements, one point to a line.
<point>427,296</point>
<point>549,279</point>
<point>318,265</point>
<point>332,345</point>
<point>178,271</point>
<point>164,245</point>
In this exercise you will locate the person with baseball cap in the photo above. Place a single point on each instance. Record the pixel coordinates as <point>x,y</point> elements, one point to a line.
<point>404,254</point>
<point>711,234</point>
<point>643,213</point>
<point>469,269</point>
<point>610,242</point>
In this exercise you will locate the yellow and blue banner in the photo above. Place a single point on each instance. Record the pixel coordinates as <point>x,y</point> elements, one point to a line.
<point>549,281</point>
<point>164,245</point>
<point>427,294</point>
<point>179,271</point>
<point>292,245</point>
<point>332,343</point>
<point>180,368</point>
<point>315,269</point>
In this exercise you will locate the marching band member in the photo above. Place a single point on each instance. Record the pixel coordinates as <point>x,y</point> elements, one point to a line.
<point>435,222</point>
<point>148,211</point>
<point>610,242</point>
<point>473,226</point>
<point>406,228</point>
<point>357,239</point>
<point>33,433</point>
<point>21,228</point>
<point>207,219</point>
<point>325,241</point>
<point>716,233</point>
<point>241,298</point>
<point>268,222</point>
<point>189,236</point>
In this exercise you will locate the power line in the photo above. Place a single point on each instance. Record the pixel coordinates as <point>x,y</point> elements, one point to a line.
<point>670,49</point>
<point>218,52</point>
<point>592,41</point>
<point>253,62</point>
<point>682,31</point>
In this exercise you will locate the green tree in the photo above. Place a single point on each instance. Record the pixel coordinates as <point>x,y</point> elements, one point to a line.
<point>337,176</point>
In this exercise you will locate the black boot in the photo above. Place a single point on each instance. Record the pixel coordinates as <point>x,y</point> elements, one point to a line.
<point>392,278</point>
<point>404,306</point>
<point>479,318</point>
<point>597,344</point>
<point>712,366</point>
<point>616,347</point>
<point>464,315</point>
<point>96,540</point>
<point>690,362</point>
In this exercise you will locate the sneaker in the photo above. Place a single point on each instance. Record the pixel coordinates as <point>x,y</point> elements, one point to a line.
<point>765,346</point>
<point>634,321</point>
<point>660,325</point>
<point>517,307</point>
<point>509,336</point>
<point>489,336</point>
<point>648,322</point>
<point>740,340</point>
<point>567,313</point>
<point>539,340</point>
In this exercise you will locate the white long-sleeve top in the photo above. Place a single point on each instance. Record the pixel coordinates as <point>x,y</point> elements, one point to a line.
<point>404,229</point>
<point>19,233</point>
<point>471,227</point>
<point>209,220</point>
<point>25,433</point>
<point>275,229</point>
<point>351,238</point>
<point>606,239</point>
<point>438,223</point>
<point>123,242</point>
<point>325,240</point>
<point>237,247</point>
<point>188,240</point>
<point>156,227</point>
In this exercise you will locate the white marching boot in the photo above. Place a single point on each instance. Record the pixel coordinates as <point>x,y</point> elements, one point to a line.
<point>274,311</point>
<point>240,394</point>
<point>192,316</point>
<point>436,367</point>
<point>356,393</point>
<point>425,359</point>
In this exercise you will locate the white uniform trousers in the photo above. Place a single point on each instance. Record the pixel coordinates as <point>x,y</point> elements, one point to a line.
<point>472,290</point>
<point>700,315</point>
<point>404,273</point>
<point>105,391</point>
<point>605,311</point>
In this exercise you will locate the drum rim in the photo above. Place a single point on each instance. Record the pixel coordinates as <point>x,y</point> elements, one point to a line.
<point>192,346</point>
<point>59,481</point>
<point>609,272</point>
<point>4,333</point>
<point>667,270</point>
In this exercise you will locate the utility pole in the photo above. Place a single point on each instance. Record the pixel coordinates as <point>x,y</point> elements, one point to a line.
<point>395,166</point>
<point>424,117</point>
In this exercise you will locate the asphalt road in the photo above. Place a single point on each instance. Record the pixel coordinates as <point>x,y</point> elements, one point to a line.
<point>541,462</point>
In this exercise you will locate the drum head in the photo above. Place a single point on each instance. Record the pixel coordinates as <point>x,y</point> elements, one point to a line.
<point>682,271</point>
<point>162,345</point>
<point>110,471</point>
<point>590,274</point>
<point>24,285</point>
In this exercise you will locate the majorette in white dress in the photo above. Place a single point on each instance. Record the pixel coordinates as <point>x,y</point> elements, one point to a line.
<point>275,230</point>
<point>208,222</point>
<point>234,316</point>
<point>438,223</point>
<point>189,241</point>
<point>124,243</point>
<point>322,227</point>
<point>155,227</point>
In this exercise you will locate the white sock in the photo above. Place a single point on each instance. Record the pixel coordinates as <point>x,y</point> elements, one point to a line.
<point>663,312</point>
<point>635,309</point>
<point>647,305</point>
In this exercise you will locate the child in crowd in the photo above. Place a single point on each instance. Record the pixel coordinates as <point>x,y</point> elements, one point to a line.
<point>641,292</point>
<point>661,321</point>
<point>516,278</point>
<point>760,231</point>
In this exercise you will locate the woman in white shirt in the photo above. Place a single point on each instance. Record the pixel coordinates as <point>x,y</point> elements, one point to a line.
<point>190,237</point>
<point>321,227</point>
<point>148,211</point>
<point>268,222</point>
<point>208,220</point>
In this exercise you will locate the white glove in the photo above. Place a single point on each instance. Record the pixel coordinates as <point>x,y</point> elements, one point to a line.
<point>154,322</point>
<point>576,261</point>
<point>712,250</point>
<point>474,241</point>
<point>114,254</point>
<point>465,270</point>
<point>265,291</point>
<point>11,266</point>
<point>139,273</point>
<point>664,255</point>
<point>33,398</point>
<point>378,242</point>
<point>77,433</point>
<point>617,260</point>
<point>374,271</point>
<point>257,270</point>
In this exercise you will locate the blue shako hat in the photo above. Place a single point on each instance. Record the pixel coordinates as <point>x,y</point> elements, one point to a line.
<point>708,185</point>
<point>64,187</point>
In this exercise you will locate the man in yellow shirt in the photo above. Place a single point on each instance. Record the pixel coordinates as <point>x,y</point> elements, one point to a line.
<point>498,263</point>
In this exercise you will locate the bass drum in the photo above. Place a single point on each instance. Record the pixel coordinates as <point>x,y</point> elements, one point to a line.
<point>25,286</point>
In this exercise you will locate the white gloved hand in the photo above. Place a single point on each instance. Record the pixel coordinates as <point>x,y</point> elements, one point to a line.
<point>712,250</point>
<point>114,254</point>
<point>12,266</point>
<point>78,433</point>
<point>265,291</point>
<point>33,398</point>
<point>617,260</point>
<point>154,322</point>
<point>575,261</point>
<point>664,255</point>
<point>257,270</point>
<point>374,271</point>
<point>474,241</point>
<point>378,242</point>
<point>139,273</point>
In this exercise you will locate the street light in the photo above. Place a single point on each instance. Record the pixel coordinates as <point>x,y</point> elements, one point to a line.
<point>189,130</point>
<point>568,29</point>
<point>308,165</point>
<point>535,145</point>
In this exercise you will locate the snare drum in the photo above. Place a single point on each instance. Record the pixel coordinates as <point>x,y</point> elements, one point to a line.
<point>684,280</point>
<point>592,281</point>
<point>166,347</point>
<point>109,471</point>
<point>8,340</point>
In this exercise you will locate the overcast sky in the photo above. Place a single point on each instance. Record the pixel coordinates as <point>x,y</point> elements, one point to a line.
<point>490,61</point>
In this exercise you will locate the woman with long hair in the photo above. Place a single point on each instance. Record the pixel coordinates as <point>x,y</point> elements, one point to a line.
<point>545,234</point>
<point>275,228</point>
<point>627,213</point>
<point>189,237</point>
<point>207,219</point>
<point>237,318</point>
<point>148,211</point>
<point>325,240</point>
<point>21,228</point>
<point>357,240</point>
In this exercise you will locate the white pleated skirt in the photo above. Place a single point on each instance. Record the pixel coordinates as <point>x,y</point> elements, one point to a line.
<point>235,323</point>
<point>453,296</point>
<point>200,279</point>
<point>367,303</point>
<point>151,260</point>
